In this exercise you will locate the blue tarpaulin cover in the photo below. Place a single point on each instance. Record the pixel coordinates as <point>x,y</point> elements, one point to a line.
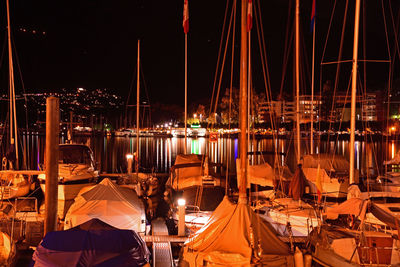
<point>93,243</point>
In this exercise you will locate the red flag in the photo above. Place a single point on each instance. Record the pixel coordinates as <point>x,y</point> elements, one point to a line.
<point>249,15</point>
<point>312,15</point>
<point>185,16</point>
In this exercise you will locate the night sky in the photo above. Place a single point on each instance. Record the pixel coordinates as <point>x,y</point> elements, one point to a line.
<point>93,44</point>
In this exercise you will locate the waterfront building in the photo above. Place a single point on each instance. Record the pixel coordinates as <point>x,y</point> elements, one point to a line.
<point>370,108</point>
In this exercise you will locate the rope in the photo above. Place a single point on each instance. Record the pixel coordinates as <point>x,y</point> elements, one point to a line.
<point>219,52</point>
<point>230,95</point>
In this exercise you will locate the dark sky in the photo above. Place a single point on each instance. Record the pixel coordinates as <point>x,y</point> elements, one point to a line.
<point>93,43</point>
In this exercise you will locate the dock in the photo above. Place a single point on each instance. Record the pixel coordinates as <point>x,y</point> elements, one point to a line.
<point>162,254</point>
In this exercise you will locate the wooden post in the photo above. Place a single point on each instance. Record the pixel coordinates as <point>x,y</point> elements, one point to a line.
<point>71,126</point>
<point>181,217</point>
<point>51,161</point>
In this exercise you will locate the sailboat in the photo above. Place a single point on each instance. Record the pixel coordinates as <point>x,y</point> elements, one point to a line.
<point>13,183</point>
<point>194,177</point>
<point>235,235</point>
<point>355,245</point>
<point>76,170</point>
<point>283,208</point>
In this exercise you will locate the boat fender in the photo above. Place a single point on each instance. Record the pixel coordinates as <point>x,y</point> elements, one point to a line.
<point>298,258</point>
<point>307,260</point>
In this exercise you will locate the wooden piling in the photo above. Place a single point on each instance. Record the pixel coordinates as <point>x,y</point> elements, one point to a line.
<point>51,161</point>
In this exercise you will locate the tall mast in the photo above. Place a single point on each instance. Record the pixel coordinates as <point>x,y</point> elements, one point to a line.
<point>185,150</point>
<point>13,116</point>
<point>312,87</point>
<point>137,106</point>
<point>243,105</point>
<point>353,91</point>
<point>297,22</point>
<point>185,25</point>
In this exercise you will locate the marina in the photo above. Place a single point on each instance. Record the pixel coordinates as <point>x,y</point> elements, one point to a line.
<point>259,166</point>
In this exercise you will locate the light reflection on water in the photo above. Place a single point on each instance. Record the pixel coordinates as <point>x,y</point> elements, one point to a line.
<point>159,154</point>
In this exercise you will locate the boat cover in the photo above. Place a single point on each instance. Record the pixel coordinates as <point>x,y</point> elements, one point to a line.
<point>359,207</point>
<point>186,176</point>
<point>352,206</point>
<point>236,236</point>
<point>113,204</point>
<point>93,243</point>
<point>263,174</point>
<point>326,161</point>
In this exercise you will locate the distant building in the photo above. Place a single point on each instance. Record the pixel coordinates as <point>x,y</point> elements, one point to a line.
<point>369,107</point>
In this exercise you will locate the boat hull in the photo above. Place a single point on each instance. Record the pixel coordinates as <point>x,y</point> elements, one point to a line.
<point>69,191</point>
<point>9,192</point>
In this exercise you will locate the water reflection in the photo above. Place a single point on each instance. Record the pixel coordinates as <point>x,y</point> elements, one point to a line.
<point>158,154</point>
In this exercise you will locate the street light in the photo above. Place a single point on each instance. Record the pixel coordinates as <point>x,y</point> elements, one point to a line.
<point>129,159</point>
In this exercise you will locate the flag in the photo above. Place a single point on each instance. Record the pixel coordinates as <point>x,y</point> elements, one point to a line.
<point>185,16</point>
<point>249,15</point>
<point>312,16</point>
<point>318,183</point>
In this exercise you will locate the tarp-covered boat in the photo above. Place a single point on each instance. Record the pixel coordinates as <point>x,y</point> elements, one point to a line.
<point>93,243</point>
<point>116,205</point>
<point>198,181</point>
<point>236,236</point>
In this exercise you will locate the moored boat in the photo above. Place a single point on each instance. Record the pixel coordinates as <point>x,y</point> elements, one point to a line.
<point>195,180</point>
<point>116,205</point>
<point>76,169</point>
<point>333,173</point>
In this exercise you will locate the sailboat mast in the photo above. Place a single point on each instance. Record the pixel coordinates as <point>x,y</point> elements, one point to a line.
<point>185,149</point>
<point>243,105</point>
<point>312,88</point>
<point>137,106</point>
<point>185,25</point>
<point>13,116</point>
<point>353,91</point>
<point>297,22</point>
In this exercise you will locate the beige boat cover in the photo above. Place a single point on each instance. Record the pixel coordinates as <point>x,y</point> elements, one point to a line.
<point>115,205</point>
<point>326,161</point>
<point>235,236</point>
<point>263,174</point>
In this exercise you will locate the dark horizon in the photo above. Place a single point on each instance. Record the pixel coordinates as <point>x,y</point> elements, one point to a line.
<point>93,44</point>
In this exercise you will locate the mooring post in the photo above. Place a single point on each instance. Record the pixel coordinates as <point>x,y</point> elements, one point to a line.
<point>181,217</point>
<point>51,161</point>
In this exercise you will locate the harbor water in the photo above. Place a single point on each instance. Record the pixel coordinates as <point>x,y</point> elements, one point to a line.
<point>157,154</point>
